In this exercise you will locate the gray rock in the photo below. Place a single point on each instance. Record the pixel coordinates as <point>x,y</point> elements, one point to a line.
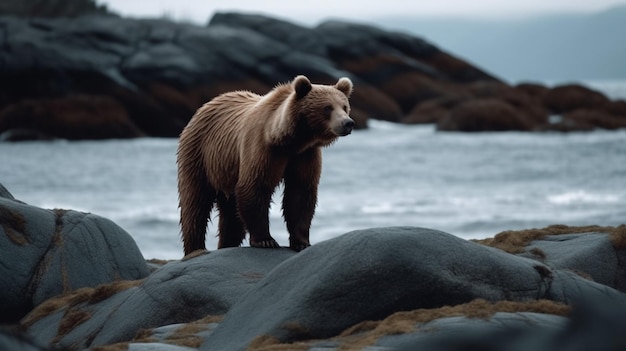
<point>5,193</point>
<point>325,289</point>
<point>502,331</point>
<point>45,253</point>
<point>590,327</point>
<point>13,340</point>
<point>178,292</point>
<point>590,254</point>
<point>155,346</point>
<point>369,274</point>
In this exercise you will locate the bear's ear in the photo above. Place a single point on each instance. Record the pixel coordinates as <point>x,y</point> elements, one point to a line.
<point>345,86</point>
<point>302,86</point>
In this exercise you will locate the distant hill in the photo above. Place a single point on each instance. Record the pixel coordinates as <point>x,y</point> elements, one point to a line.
<point>557,47</point>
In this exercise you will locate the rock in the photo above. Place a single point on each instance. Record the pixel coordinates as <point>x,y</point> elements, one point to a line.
<point>409,280</point>
<point>11,339</point>
<point>52,8</point>
<point>565,98</point>
<point>406,68</point>
<point>484,115</point>
<point>536,90</point>
<point>73,117</point>
<point>592,119</point>
<point>373,273</point>
<point>24,134</point>
<point>310,44</point>
<point>529,106</point>
<point>577,255</point>
<point>178,292</point>
<point>577,249</point>
<point>49,252</point>
<point>616,108</point>
<point>590,327</point>
<point>5,193</point>
<point>151,75</point>
<point>434,110</point>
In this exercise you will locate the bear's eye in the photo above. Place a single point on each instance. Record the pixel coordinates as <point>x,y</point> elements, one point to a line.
<point>328,109</point>
<point>345,108</point>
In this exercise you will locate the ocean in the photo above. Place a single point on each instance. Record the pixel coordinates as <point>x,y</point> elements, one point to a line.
<point>469,185</point>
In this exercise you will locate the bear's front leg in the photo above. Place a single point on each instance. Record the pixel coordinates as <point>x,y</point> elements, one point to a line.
<point>253,203</point>
<point>300,197</point>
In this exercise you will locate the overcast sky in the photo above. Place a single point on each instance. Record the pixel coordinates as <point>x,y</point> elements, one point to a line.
<point>200,11</point>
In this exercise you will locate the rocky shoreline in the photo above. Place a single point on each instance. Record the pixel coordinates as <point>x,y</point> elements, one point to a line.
<point>74,281</point>
<point>104,76</point>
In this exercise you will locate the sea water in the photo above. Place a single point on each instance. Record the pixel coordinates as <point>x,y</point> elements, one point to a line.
<point>469,185</point>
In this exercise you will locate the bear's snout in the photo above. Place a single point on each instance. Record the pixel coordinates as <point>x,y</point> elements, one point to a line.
<point>347,125</point>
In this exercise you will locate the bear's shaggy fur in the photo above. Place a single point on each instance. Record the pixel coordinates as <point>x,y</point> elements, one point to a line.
<point>238,147</point>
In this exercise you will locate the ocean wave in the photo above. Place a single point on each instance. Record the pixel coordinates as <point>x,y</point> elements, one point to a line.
<point>581,196</point>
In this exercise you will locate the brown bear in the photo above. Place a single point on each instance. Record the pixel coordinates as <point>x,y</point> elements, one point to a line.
<point>239,146</point>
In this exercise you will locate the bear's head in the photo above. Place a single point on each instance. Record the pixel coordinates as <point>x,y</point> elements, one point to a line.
<point>321,112</point>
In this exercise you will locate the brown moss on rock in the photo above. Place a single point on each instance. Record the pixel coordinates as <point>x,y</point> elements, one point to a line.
<point>14,226</point>
<point>515,241</point>
<point>366,333</point>
<point>57,303</point>
<point>83,295</point>
<point>269,343</point>
<point>186,335</point>
<point>158,261</point>
<point>405,322</point>
<point>104,291</point>
<point>618,237</point>
<point>194,254</point>
<point>71,319</point>
<point>122,346</point>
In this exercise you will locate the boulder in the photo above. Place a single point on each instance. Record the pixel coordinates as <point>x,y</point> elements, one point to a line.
<point>597,253</point>
<point>616,108</point>
<point>178,292</point>
<point>5,193</point>
<point>434,110</point>
<point>409,280</point>
<point>72,117</point>
<point>485,115</point>
<point>536,90</point>
<point>593,119</point>
<point>569,97</point>
<point>370,274</point>
<point>46,253</point>
<point>150,75</point>
<point>408,69</point>
<point>527,104</point>
<point>12,339</point>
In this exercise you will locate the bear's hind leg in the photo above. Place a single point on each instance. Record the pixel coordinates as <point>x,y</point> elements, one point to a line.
<point>195,209</point>
<point>231,230</point>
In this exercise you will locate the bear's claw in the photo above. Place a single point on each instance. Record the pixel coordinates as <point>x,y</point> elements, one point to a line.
<point>265,244</point>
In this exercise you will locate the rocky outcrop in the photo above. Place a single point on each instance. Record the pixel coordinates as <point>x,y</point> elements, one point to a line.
<point>45,253</point>
<point>384,288</point>
<point>245,298</point>
<point>484,114</point>
<point>110,77</point>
